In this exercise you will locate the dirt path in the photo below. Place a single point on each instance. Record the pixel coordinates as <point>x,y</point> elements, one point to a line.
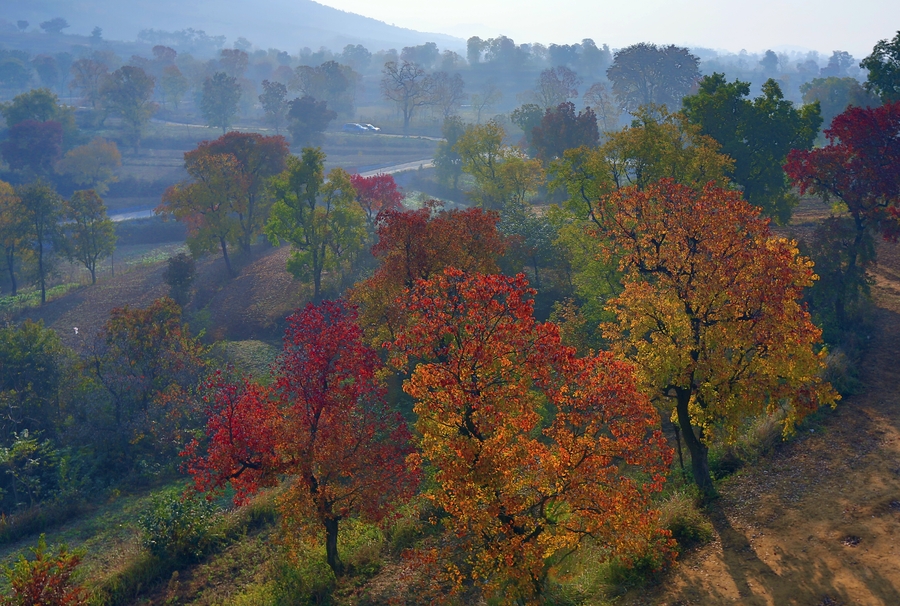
<point>816,523</point>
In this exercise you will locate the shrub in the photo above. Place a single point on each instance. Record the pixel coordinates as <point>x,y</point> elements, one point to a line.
<point>178,526</point>
<point>680,515</point>
<point>179,275</point>
<point>45,580</point>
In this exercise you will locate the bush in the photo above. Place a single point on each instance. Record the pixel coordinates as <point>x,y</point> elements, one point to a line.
<point>179,275</point>
<point>45,580</point>
<point>178,527</point>
<point>680,515</point>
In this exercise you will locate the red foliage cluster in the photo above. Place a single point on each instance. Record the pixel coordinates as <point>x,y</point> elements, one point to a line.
<point>376,194</point>
<point>323,422</point>
<point>860,166</point>
<point>415,245</point>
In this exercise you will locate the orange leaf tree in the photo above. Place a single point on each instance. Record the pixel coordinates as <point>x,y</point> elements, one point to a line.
<point>415,245</point>
<point>324,422</point>
<point>711,311</point>
<point>534,450</point>
<point>208,204</point>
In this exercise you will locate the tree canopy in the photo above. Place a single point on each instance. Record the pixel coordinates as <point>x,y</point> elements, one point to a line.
<point>757,134</point>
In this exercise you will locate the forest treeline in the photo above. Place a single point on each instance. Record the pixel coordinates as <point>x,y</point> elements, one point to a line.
<point>609,312</point>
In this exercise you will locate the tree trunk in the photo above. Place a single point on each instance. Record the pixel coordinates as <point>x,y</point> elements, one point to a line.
<point>225,256</point>
<point>41,272</point>
<point>10,266</point>
<point>331,549</point>
<point>699,451</point>
<point>678,442</point>
<point>93,274</point>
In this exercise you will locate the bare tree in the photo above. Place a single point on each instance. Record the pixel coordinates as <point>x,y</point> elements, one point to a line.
<point>448,92</point>
<point>407,85</point>
<point>482,101</point>
<point>554,86</point>
<point>599,98</point>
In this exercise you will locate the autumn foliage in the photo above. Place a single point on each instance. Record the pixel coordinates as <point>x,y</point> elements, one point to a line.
<point>376,194</point>
<point>533,449</point>
<point>45,580</point>
<point>415,245</point>
<point>711,311</point>
<point>860,166</point>
<point>323,422</point>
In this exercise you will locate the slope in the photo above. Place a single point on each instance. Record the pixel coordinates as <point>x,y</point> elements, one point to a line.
<point>285,24</point>
<point>817,522</point>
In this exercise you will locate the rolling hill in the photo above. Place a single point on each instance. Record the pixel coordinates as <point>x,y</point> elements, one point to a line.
<point>284,24</point>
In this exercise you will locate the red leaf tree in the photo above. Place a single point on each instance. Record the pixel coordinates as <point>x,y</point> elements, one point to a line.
<point>324,422</point>
<point>534,450</point>
<point>376,194</point>
<point>860,167</point>
<point>415,245</point>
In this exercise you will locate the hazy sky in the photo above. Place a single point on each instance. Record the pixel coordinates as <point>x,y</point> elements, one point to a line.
<point>755,25</point>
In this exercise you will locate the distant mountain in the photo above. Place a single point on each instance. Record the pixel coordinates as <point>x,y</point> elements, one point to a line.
<point>288,25</point>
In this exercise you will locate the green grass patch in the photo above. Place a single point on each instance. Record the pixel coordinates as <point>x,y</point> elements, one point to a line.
<point>252,357</point>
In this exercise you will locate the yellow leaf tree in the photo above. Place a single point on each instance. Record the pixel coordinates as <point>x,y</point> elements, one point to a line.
<point>711,312</point>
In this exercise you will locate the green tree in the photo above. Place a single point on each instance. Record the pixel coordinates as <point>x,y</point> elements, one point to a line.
<point>657,145</point>
<point>319,218</point>
<point>55,25</point>
<point>274,103</point>
<point>834,95</point>
<point>89,235</point>
<point>219,100</point>
<point>527,117</point>
<point>93,165</point>
<point>41,105</point>
<point>41,207</point>
<point>13,231</point>
<point>87,78</point>
<point>128,93</point>
<point>33,364</point>
<point>501,173</point>
<point>308,119</point>
<point>330,82</point>
<point>481,149</point>
<point>179,275</point>
<point>645,74</point>
<point>757,134</point>
<point>173,85</point>
<point>884,70</point>
<point>447,162</point>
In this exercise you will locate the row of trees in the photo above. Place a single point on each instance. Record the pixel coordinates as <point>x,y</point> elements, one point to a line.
<point>37,223</point>
<point>244,185</point>
<point>522,437</point>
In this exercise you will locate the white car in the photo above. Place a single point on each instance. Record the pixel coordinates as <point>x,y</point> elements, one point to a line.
<point>353,127</point>
<point>372,127</point>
